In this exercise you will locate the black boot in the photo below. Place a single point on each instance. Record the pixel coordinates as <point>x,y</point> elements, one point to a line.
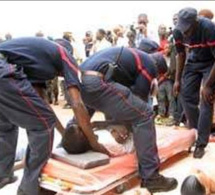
<point>199,152</point>
<point>7,180</point>
<point>159,183</point>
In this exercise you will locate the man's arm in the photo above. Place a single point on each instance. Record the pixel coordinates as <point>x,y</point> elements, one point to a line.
<point>83,119</point>
<point>180,60</point>
<point>208,89</point>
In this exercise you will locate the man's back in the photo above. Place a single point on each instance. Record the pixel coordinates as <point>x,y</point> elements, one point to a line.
<point>200,48</point>
<point>39,57</point>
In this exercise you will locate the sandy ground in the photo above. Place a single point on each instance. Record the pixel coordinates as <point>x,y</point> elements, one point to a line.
<point>179,169</point>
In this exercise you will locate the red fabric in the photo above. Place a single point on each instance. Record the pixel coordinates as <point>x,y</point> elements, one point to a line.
<point>169,141</point>
<point>66,59</point>
<point>140,66</point>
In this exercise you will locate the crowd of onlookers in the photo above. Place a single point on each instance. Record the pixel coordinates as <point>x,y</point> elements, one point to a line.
<point>167,107</point>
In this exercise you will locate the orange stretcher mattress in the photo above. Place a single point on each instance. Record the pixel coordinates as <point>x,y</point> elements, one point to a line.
<point>57,175</point>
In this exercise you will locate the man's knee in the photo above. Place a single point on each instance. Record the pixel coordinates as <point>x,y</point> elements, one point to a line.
<point>148,115</point>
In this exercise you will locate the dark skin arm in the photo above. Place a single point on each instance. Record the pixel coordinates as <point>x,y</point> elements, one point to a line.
<point>83,119</point>
<point>207,92</point>
<point>181,57</point>
<point>41,93</point>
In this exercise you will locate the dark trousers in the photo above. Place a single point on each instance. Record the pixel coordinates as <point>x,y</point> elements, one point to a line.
<point>166,98</point>
<point>66,94</point>
<point>20,106</point>
<point>198,116</point>
<point>117,101</point>
<point>52,90</point>
<point>179,114</point>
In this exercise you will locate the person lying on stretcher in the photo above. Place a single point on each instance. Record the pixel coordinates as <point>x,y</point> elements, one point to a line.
<point>115,138</point>
<point>201,181</point>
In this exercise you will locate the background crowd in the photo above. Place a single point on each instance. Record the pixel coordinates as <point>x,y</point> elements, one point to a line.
<point>168,108</point>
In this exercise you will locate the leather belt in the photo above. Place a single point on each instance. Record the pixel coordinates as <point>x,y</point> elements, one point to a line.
<point>92,73</point>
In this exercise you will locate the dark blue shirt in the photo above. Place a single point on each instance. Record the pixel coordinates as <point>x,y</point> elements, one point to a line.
<point>201,45</point>
<point>128,71</point>
<point>66,44</point>
<point>41,59</point>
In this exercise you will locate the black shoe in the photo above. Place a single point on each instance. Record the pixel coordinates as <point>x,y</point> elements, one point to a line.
<point>159,183</point>
<point>7,180</point>
<point>199,152</point>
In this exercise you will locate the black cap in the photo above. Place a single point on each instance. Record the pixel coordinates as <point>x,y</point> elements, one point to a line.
<point>148,46</point>
<point>186,18</point>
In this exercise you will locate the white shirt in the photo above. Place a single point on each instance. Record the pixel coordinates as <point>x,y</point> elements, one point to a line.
<point>122,41</point>
<point>100,45</point>
<point>107,140</point>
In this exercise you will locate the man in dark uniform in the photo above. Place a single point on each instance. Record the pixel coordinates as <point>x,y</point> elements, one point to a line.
<point>198,36</point>
<point>106,79</point>
<point>25,62</point>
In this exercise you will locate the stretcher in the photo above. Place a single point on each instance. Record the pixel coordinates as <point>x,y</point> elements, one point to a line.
<point>58,176</point>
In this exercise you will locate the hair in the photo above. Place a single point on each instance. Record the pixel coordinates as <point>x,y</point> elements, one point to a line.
<point>142,15</point>
<point>74,141</point>
<point>39,34</point>
<point>102,31</point>
<point>206,13</point>
<point>192,186</point>
<point>88,33</point>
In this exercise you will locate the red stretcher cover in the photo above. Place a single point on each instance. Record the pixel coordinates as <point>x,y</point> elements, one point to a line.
<point>170,142</point>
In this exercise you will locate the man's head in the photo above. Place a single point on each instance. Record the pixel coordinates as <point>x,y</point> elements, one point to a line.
<point>89,36</point>
<point>162,30</point>
<point>187,21</point>
<point>119,31</point>
<point>39,34</point>
<point>142,21</point>
<point>74,141</point>
<point>68,36</point>
<point>100,34</point>
<point>192,186</point>
<point>131,35</point>
<point>148,46</point>
<point>175,19</point>
<point>8,36</point>
<point>160,63</point>
<point>206,13</point>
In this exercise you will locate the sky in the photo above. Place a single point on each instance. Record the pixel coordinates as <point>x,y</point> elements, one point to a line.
<point>25,18</point>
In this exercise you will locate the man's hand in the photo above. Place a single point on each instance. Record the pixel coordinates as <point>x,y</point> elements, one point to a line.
<point>99,148</point>
<point>208,95</point>
<point>176,88</point>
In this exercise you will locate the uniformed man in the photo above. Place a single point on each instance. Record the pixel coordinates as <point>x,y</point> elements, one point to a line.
<point>106,80</point>
<point>23,63</point>
<point>197,34</point>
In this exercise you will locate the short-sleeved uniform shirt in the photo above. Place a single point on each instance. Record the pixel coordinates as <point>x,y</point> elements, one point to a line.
<point>66,44</point>
<point>133,72</point>
<point>40,59</point>
<point>201,45</point>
